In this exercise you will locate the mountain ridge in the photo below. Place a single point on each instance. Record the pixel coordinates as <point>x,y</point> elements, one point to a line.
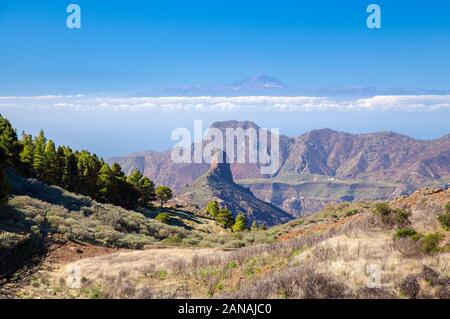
<point>385,163</point>
<point>261,84</point>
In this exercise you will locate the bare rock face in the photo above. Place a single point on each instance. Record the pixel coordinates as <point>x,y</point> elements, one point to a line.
<point>221,167</point>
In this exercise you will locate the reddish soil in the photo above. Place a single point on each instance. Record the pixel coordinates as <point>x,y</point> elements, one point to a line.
<point>71,252</point>
<point>317,228</point>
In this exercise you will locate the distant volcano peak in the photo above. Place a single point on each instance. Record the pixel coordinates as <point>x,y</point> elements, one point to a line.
<point>259,81</point>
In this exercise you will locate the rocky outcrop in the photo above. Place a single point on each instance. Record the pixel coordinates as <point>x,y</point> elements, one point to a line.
<point>217,184</point>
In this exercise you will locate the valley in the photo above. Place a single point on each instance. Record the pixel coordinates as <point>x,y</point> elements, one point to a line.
<point>319,167</point>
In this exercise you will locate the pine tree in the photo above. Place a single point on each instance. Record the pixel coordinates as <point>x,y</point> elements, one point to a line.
<point>135,177</point>
<point>70,171</point>
<point>105,184</point>
<point>114,189</point>
<point>26,156</point>
<point>163,194</point>
<point>144,185</point>
<point>240,223</point>
<point>213,208</point>
<point>50,164</point>
<point>60,165</point>
<point>117,171</point>
<point>225,218</point>
<point>38,155</point>
<point>10,144</point>
<point>147,190</point>
<point>128,196</point>
<point>88,168</point>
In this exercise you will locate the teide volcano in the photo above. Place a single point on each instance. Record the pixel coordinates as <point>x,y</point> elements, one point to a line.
<point>217,184</point>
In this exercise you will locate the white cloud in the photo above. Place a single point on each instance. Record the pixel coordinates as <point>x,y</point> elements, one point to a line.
<point>227,104</point>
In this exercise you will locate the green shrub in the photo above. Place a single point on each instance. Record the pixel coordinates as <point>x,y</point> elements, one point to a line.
<point>402,216</point>
<point>430,242</point>
<point>134,241</point>
<point>405,232</point>
<point>444,218</point>
<point>191,241</point>
<point>234,243</point>
<point>382,209</point>
<point>163,218</point>
<point>173,239</point>
<point>86,220</point>
<point>161,274</point>
<point>351,212</point>
<point>389,216</point>
<point>95,293</point>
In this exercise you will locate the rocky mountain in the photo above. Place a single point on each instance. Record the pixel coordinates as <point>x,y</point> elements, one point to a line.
<point>319,167</point>
<point>259,84</point>
<point>217,184</point>
<point>266,85</point>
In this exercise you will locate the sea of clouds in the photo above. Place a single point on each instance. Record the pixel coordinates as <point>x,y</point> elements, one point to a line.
<point>229,104</point>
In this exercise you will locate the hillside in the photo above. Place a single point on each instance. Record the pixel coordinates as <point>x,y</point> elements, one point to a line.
<point>217,184</point>
<point>320,167</point>
<point>345,251</point>
<point>73,217</point>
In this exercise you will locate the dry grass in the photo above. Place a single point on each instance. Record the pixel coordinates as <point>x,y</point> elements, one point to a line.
<point>346,253</point>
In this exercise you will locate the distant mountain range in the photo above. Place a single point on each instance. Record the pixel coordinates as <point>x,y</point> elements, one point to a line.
<point>319,167</point>
<point>264,85</point>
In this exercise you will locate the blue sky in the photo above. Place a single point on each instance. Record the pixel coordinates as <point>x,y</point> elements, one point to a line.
<point>131,45</point>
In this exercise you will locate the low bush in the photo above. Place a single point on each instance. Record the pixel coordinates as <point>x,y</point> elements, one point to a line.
<point>383,210</point>
<point>444,218</point>
<point>163,218</point>
<point>405,232</point>
<point>102,224</point>
<point>392,217</point>
<point>402,216</point>
<point>430,242</point>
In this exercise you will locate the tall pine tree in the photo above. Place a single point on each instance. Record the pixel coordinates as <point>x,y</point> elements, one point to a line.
<point>70,170</point>
<point>38,155</point>
<point>10,144</point>
<point>26,156</point>
<point>144,185</point>
<point>50,164</point>
<point>88,169</point>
